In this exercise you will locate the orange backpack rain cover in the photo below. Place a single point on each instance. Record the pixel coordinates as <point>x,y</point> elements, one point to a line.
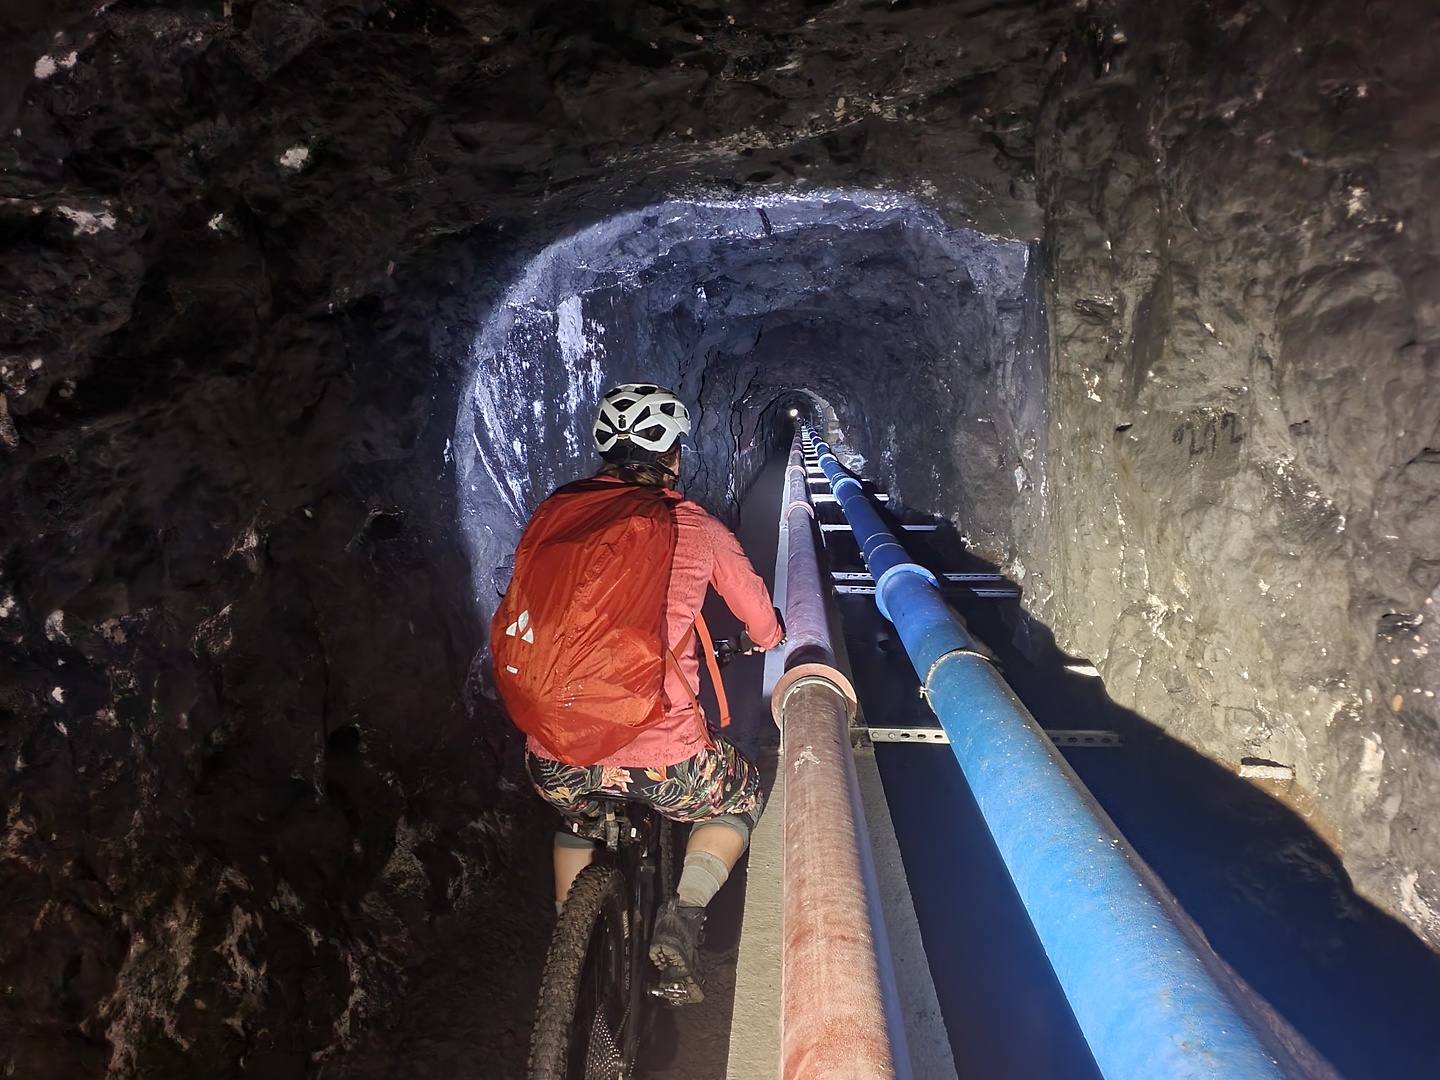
<point>579,637</point>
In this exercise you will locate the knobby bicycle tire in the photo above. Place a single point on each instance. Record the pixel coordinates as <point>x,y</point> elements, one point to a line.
<point>669,844</point>
<point>583,1010</point>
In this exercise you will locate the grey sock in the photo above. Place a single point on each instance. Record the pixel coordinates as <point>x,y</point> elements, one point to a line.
<point>701,879</point>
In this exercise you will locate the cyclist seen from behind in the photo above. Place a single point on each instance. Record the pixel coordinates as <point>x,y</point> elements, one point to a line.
<point>598,734</point>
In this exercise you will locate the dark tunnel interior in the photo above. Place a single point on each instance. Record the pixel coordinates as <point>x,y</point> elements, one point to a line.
<point>891,327</point>
<point>306,304</point>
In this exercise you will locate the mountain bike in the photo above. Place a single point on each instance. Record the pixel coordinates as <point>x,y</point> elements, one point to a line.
<point>599,985</point>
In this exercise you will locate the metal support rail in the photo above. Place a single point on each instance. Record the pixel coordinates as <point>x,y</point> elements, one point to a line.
<point>1151,997</point>
<point>837,1022</point>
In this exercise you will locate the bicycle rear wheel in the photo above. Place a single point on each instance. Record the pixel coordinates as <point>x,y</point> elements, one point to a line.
<point>672,855</point>
<point>581,1021</point>
<point>654,882</point>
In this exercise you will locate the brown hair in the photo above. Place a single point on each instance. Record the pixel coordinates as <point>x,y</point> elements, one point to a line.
<point>644,473</point>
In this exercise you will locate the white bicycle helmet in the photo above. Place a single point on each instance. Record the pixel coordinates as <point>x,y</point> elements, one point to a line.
<point>639,421</point>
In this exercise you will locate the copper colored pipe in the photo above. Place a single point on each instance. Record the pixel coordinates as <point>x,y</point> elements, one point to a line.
<point>832,1012</point>
<point>832,1016</point>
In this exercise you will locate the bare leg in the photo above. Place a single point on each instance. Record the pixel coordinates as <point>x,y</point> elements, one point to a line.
<point>569,861</point>
<point>725,843</point>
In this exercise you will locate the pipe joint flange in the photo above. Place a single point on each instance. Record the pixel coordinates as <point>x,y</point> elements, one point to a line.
<point>952,654</point>
<point>796,469</point>
<point>812,675</point>
<point>899,568</point>
<point>801,504</point>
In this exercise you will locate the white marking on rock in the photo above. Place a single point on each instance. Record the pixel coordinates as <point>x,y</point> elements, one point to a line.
<point>55,626</point>
<point>295,158</point>
<point>1372,765</point>
<point>246,544</point>
<point>47,66</point>
<point>1268,772</point>
<point>58,695</point>
<point>87,223</point>
<point>217,222</point>
<point>570,330</point>
<point>1414,906</point>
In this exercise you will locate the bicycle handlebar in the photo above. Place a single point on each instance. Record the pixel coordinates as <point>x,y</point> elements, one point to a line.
<point>726,649</point>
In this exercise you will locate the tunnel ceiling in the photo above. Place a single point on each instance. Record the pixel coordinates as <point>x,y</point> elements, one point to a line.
<point>901,325</point>
<point>250,252</point>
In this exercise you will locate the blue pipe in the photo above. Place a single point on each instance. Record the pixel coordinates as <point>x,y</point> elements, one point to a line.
<point>1151,997</point>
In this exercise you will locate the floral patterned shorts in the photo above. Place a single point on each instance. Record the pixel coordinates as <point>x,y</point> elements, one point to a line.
<point>717,780</point>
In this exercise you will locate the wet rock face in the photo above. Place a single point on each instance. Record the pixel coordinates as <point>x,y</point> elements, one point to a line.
<point>1243,525</point>
<point>249,249</point>
<point>915,339</point>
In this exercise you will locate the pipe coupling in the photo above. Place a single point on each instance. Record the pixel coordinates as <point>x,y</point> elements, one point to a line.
<point>889,576</point>
<point>800,504</point>
<point>952,654</point>
<point>810,675</point>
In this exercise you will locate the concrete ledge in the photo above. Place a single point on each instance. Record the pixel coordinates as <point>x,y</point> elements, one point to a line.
<point>755,1016</point>
<point>925,1033</point>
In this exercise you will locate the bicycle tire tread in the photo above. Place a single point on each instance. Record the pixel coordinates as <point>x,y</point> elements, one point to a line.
<point>597,886</point>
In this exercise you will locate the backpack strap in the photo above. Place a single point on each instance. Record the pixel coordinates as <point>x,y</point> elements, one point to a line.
<point>714,665</point>
<point>709,646</point>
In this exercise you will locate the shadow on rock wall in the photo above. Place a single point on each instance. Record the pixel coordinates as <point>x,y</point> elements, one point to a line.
<point>1268,892</point>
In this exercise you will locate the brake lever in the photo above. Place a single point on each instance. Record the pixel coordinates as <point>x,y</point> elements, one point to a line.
<point>725,651</point>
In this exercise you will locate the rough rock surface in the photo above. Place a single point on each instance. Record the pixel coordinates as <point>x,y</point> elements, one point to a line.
<point>250,783</point>
<point>1244,513</point>
<point>917,340</point>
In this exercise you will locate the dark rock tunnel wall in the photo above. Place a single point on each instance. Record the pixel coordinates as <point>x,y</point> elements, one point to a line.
<point>1245,511</point>
<point>248,250</point>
